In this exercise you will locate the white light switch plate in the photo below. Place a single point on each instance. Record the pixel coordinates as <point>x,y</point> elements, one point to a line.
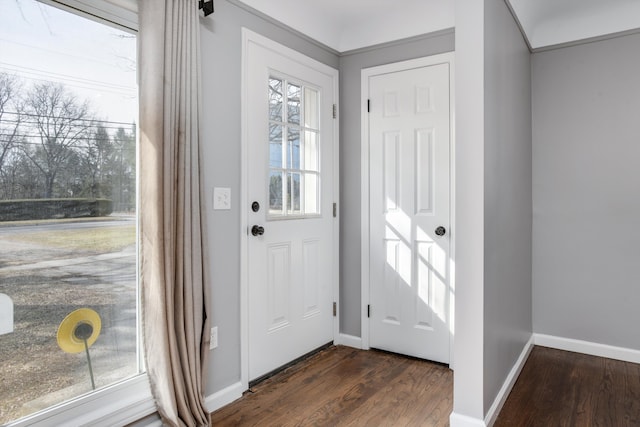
<point>214,338</point>
<point>221,198</point>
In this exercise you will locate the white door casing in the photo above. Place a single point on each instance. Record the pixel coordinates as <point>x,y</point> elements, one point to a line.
<point>289,272</point>
<point>408,136</point>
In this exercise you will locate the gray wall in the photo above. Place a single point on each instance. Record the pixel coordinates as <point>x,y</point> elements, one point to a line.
<point>221,82</point>
<point>507,197</point>
<point>586,192</point>
<point>351,65</point>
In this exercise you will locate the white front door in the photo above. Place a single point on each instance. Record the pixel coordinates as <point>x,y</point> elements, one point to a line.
<point>289,204</point>
<point>409,211</point>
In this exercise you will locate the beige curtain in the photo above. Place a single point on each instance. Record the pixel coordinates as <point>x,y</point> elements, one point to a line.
<point>174,287</point>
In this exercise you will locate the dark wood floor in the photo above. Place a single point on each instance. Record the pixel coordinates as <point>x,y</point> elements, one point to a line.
<point>560,388</point>
<point>347,387</point>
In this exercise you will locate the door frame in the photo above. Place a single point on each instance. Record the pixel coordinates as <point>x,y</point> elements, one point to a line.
<point>248,37</point>
<point>366,74</point>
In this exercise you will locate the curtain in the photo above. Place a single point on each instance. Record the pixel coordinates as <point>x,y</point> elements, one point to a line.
<point>174,289</point>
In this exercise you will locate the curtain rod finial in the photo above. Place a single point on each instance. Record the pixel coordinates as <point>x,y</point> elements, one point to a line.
<point>206,6</point>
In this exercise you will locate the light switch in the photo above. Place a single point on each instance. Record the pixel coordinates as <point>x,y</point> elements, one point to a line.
<point>221,198</point>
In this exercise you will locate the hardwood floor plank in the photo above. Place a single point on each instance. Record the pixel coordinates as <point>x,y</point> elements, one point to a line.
<point>560,388</point>
<point>342,386</point>
<point>346,386</point>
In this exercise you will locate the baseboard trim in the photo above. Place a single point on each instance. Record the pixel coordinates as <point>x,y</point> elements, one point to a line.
<point>586,347</point>
<point>508,384</point>
<point>458,420</point>
<point>223,397</point>
<point>349,341</point>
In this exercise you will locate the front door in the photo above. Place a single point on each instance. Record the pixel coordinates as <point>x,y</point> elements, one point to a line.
<point>290,196</point>
<point>409,143</point>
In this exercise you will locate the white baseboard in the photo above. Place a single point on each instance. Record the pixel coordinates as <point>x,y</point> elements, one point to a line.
<point>586,347</point>
<point>457,420</point>
<point>223,397</point>
<point>349,341</point>
<point>508,384</point>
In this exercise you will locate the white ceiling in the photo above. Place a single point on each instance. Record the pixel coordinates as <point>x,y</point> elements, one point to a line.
<point>553,22</point>
<point>351,24</point>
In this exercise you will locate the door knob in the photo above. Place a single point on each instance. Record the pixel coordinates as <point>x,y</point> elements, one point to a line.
<point>257,230</point>
<point>440,231</point>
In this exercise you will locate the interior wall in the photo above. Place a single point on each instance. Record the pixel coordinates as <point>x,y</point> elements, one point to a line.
<point>468,233</point>
<point>221,85</point>
<point>493,320</point>
<point>350,110</point>
<point>586,192</point>
<point>507,197</point>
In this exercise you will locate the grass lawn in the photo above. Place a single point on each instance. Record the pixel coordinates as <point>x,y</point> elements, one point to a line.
<point>99,239</point>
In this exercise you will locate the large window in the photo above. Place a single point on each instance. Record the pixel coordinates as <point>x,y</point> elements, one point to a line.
<point>68,220</point>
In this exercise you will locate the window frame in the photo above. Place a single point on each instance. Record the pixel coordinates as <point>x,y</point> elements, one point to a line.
<point>131,399</point>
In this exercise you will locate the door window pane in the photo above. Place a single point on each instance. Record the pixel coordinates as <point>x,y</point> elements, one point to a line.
<point>293,184</point>
<point>275,193</point>
<point>275,99</point>
<point>294,171</point>
<point>311,191</point>
<point>275,145</point>
<point>293,148</point>
<point>68,219</point>
<point>311,108</point>
<point>311,150</point>
<point>293,104</point>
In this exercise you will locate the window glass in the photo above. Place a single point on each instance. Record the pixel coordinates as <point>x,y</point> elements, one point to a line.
<point>311,108</point>
<point>275,99</point>
<point>293,104</point>
<point>68,220</point>
<point>311,150</point>
<point>293,184</point>
<point>275,193</point>
<point>294,150</point>
<point>275,145</point>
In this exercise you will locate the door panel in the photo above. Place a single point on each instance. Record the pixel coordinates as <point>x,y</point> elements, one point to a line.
<point>409,143</point>
<point>290,173</point>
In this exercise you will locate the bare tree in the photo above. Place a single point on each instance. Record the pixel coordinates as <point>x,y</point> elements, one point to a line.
<point>9,117</point>
<point>124,166</point>
<point>96,159</point>
<point>57,124</point>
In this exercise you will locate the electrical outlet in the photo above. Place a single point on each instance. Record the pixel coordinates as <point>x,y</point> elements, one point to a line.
<point>214,338</point>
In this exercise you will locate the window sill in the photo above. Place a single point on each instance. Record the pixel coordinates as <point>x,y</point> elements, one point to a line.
<point>119,404</point>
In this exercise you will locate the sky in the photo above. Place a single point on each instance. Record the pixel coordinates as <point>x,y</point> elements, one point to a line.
<point>97,62</point>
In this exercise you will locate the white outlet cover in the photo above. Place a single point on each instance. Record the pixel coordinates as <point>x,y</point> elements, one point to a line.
<point>221,198</point>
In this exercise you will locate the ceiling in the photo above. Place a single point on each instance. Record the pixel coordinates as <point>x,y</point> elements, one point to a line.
<point>352,24</point>
<point>554,22</point>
